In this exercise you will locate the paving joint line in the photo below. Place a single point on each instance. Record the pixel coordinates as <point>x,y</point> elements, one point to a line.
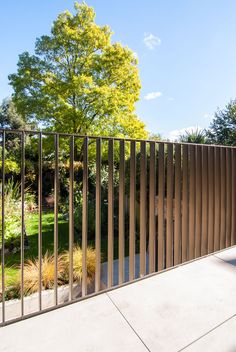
<point>107,293</point>
<point>207,333</point>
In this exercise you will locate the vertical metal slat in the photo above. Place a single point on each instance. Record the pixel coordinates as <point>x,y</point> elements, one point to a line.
<point>211,200</point>
<point>110,212</point>
<point>121,212</point>
<point>223,199</point>
<point>40,219</point>
<point>152,218</point>
<point>185,205</point>
<point>85,217</point>
<point>198,230</point>
<point>204,244</point>
<point>98,216</point>
<point>217,199</point>
<point>22,218</point>
<point>143,185</point>
<point>192,199</point>
<point>132,204</point>
<point>160,211</point>
<point>56,200</point>
<point>177,207</point>
<point>228,197</point>
<point>169,208</point>
<point>71,217</point>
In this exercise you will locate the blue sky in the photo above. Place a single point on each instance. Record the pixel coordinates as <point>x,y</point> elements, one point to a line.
<point>186,51</point>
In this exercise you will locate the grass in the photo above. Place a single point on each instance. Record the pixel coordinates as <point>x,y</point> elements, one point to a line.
<point>13,260</point>
<point>77,263</point>
<point>47,237</point>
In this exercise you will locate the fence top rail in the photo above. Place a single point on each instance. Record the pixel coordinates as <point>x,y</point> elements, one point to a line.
<point>62,134</point>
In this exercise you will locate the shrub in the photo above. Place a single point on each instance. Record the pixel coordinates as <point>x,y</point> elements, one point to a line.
<point>12,210</point>
<point>77,263</point>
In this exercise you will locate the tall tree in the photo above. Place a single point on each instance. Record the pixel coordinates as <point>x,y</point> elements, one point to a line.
<point>78,81</point>
<point>223,127</point>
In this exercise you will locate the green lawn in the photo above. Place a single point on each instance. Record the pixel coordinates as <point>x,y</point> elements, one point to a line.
<point>12,261</point>
<point>47,237</point>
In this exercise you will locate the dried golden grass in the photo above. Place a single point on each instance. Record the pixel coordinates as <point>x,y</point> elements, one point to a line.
<point>31,274</point>
<point>31,270</point>
<point>77,263</point>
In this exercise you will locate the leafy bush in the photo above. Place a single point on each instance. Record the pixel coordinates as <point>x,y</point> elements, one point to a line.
<point>12,211</point>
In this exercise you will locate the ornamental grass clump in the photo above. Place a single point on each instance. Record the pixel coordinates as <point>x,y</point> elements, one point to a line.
<point>77,263</point>
<point>31,274</point>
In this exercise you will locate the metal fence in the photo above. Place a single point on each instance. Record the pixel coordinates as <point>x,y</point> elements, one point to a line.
<point>166,203</point>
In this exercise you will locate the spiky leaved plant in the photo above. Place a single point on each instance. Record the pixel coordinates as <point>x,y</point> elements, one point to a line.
<point>77,263</point>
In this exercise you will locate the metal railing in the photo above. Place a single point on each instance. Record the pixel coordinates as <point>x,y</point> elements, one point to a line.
<point>170,203</point>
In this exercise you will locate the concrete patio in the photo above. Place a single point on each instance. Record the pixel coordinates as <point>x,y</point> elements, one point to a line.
<point>189,308</point>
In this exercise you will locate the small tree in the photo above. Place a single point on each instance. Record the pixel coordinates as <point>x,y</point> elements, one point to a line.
<point>78,81</point>
<point>223,128</point>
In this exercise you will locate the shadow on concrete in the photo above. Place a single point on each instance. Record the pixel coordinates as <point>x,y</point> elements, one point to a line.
<point>231,261</point>
<point>228,261</point>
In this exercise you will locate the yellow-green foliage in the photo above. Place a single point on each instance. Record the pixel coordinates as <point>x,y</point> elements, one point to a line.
<point>12,209</point>
<point>79,81</point>
<point>77,263</point>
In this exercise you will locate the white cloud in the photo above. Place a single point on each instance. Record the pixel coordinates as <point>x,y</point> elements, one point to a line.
<point>153,95</point>
<point>151,41</point>
<point>171,99</point>
<point>175,134</point>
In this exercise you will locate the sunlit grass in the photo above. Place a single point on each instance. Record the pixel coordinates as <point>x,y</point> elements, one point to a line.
<point>13,260</point>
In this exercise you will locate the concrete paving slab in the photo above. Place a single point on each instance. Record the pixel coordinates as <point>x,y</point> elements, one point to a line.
<point>170,310</point>
<point>221,339</point>
<point>173,311</point>
<point>87,326</point>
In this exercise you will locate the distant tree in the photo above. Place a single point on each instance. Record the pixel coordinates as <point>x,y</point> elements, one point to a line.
<point>195,136</point>
<point>78,81</point>
<point>9,117</point>
<point>223,127</point>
